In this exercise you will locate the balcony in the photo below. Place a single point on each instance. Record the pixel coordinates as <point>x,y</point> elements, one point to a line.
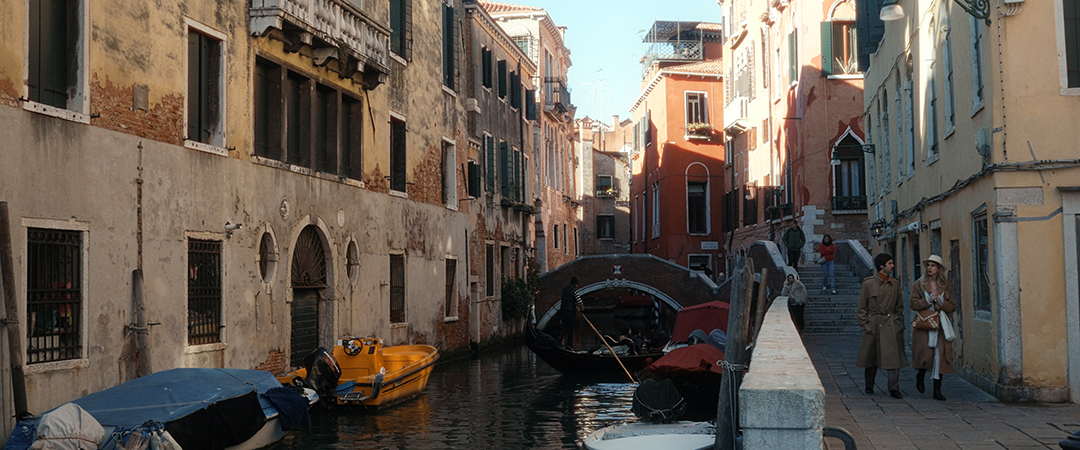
<point>777,212</point>
<point>558,96</point>
<point>676,41</point>
<point>607,192</point>
<point>850,204</point>
<point>334,29</point>
<point>736,115</point>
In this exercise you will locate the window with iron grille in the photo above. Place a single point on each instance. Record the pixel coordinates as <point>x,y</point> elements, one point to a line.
<point>204,292</point>
<point>54,62</point>
<point>53,295</point>
<point>397,288</point>
<point>205,120</point>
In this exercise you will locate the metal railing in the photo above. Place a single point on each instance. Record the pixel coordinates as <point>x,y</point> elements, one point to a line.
<point>558,96</point>
<point>849,203</point>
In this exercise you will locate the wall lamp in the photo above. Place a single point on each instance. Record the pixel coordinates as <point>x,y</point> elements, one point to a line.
<point>877,227</point>
<point>979,9</point>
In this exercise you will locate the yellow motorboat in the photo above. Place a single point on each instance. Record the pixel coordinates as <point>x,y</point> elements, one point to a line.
<point>363,372</point>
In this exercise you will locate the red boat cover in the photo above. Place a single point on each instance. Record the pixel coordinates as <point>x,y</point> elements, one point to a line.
<point>705,317</point>
<point>687,360</point>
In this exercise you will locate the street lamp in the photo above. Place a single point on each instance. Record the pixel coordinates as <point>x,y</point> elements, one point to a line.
<point>891,10</point>
<point>877,228</point>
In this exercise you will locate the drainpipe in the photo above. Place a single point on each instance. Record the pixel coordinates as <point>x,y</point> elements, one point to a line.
<point>11,311</point>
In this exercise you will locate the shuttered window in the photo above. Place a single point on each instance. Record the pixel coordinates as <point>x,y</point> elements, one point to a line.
<point>1071,17</point>
<point>53,34</point>
<point>448,46</point>
<point>397,155</point>
<point>401,28</point>
<point>204,103</point>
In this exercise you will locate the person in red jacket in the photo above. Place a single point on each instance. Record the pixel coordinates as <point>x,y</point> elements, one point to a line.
<point>828,251</point>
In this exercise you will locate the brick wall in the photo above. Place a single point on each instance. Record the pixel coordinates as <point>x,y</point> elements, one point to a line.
<point>113,108</point>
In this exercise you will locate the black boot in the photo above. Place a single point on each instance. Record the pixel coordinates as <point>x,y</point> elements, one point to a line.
<point>919,384</point>
<point>937,390</point>
<point>870,374</point>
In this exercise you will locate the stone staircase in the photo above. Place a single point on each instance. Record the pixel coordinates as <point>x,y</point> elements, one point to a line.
<point>827,313</point>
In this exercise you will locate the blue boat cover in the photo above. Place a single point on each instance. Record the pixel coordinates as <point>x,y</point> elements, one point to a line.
<point>171,394</point>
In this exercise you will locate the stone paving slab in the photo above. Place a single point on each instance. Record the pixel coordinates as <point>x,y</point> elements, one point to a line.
<point>970,419</point>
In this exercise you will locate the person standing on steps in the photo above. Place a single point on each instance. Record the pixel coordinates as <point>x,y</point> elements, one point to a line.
<point>794,239</point>
<point>881,316</point>
<point>827,251</point>
<point>930,350</point>
<point>568,308</point>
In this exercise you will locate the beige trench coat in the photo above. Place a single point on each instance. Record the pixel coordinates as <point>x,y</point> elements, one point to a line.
<point>881,315</point>
<point>921,354</point>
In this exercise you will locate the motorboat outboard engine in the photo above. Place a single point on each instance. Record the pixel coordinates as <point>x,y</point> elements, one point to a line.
<point>323,372</point>
<point>658,401</point>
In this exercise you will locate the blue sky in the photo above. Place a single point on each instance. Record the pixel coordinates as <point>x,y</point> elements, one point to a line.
<point>604,37</point>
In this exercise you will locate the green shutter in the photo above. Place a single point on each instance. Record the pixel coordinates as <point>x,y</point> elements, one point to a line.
<point>826,48</point>
<point>791,57</point>
<point>489,163</point>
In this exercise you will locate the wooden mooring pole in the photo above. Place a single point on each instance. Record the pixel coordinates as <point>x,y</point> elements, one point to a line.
<point>742,287</point>
<point>11,317</point>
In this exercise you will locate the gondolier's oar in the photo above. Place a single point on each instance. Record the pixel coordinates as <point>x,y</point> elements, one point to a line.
<point>632,380</point>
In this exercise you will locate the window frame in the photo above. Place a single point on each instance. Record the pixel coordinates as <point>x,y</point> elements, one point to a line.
<point>980,257</point>
<point>401,38</point>
<point>695,108</point>
<point>705,223</point>
<point>601,232</point>
<point>77,108</point>
<point>398,155</point>
<point>216,144</point>
<point>80,360</point>
<point>220,247</point>
<point>449,173</point>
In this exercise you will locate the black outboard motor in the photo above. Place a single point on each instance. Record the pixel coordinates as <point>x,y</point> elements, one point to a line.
<point>323,373</point>
<point>658,401</point>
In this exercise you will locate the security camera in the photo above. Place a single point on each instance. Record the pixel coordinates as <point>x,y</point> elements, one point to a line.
<point>233,226</point>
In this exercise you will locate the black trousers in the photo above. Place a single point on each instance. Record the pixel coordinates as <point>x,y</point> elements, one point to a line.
<point>567,323</point>
<point>793,256</point>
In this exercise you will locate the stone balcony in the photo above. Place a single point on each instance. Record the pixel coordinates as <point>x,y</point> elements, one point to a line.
<point>334,29</point>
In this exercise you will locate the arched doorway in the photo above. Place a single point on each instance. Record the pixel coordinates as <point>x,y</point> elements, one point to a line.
<point>308,280</point>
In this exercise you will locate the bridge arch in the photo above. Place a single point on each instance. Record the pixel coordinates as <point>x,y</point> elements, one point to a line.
<point>611,284</point>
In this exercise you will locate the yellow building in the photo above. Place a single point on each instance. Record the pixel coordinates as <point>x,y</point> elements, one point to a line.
<point>971,116</point>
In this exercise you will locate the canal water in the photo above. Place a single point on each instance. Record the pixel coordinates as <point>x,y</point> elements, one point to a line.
<point>504,400</point>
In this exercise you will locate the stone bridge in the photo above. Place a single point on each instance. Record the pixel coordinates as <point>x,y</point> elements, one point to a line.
<point>630,274</point>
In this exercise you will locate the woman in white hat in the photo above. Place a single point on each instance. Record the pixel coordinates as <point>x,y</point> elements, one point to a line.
<point>932,349</point>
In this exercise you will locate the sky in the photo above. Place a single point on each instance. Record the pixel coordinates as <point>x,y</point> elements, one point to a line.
<point>604,38</point>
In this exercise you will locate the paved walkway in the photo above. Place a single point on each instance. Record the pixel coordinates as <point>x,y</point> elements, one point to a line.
<point>969,419</point>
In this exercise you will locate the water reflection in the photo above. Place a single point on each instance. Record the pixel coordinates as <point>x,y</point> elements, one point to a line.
<point>506,400</point>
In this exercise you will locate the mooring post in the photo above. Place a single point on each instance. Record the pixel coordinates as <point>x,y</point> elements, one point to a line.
<point>727,424</point>
<point>11,317</point>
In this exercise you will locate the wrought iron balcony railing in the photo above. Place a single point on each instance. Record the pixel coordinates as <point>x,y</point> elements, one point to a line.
<point>558,96</point>
<point>849,203</point>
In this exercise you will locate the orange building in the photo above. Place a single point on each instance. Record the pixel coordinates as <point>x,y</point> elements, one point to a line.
<point>678,153</point>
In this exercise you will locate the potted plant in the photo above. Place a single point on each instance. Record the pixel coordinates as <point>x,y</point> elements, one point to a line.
<point>699,129</point>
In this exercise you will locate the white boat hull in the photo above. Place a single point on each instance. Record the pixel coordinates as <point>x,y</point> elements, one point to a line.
<point>635,436</point>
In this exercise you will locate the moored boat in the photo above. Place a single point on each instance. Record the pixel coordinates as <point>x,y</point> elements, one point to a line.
<point>572,362</point>
<point>180,408</point>
<point>361,371</point>
<point>669,436</point>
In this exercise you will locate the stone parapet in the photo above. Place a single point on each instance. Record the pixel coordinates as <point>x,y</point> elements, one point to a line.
<point>781,400</point>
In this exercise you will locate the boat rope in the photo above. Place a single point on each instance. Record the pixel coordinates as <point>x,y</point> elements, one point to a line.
<point>731,367</point>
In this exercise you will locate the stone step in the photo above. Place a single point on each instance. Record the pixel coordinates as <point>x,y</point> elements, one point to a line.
<point>818,330</point>
<point>829,311</point>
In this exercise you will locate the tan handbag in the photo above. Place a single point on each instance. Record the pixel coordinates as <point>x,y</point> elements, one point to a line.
<point>926,319</point>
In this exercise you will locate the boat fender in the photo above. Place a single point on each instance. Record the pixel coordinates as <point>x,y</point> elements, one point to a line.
<point>377,383</point>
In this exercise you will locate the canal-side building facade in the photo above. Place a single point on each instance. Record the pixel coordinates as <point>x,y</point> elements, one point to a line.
<point>678,154</point>
<point>974,160</point>
<point>605,187</point>
<point>791,121</point>
<point>501,115</point>
<point>233,184</point>
<point>559,207</point>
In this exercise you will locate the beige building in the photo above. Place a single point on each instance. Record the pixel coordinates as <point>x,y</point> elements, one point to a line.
<point>791,122</point>
<point>230,184</point>
<point>556,188</point>
<point>971,119</point>
<point>605,185</point>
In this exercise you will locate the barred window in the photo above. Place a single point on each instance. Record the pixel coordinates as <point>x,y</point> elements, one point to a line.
<point>53,295</point>
<point>204,292</point>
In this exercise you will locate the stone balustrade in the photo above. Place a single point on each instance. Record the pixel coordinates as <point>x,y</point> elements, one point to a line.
<point>781,401</point>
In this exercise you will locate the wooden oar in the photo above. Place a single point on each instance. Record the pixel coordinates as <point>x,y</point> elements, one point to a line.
<point>632,380</point>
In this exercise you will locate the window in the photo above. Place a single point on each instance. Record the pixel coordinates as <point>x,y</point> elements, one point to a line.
<point>55,64</point>
<point>932,125</point>
<point>448,46</point>
<point>947,68</point>
<point>397,154</point>
<point>489,159</point>
<point>636,218</point>
<point>489,256</point>
<point>401,28</point>
<point>515,90</point>
<point>793,57</point>
<point>504,169</point>
<point>204,292</point>
<point>1071,47</point>
<point>485,67</point>
<point>975,27</point>
<point>839,54</point>
<point>696,112</point>
<point>321,131</point>
<point>886,155</point>
<point>503,88</point>
<point>656,209</point>
<point>205,96</point>
<point>54,294</point>
<point>765,58</point>
<point>604,188</point>
<point>980,246</point>
<point>449,174</point>
<point>566,249</point>
<point>605,226</point>
<point>397,288</point>
<point>849,190</point>
<point>697,208</point>
<point>451,275</point>
<point>700,263</point>
<point>909,109</point>
<point>901,151</point>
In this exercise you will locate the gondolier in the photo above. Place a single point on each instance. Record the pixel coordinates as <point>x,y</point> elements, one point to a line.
<point>570,305</point>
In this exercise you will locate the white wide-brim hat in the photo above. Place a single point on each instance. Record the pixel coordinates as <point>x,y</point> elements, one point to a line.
<point>936,260</point>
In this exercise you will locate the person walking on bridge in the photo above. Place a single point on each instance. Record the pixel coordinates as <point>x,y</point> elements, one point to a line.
<point>794,239</point>
<point>881,315</point>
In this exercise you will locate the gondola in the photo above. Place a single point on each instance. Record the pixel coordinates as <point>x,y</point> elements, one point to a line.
<point>577,362</point>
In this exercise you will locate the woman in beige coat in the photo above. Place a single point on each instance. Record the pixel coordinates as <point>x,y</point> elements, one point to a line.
<point>930,350</point>
<point>881,315</point>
